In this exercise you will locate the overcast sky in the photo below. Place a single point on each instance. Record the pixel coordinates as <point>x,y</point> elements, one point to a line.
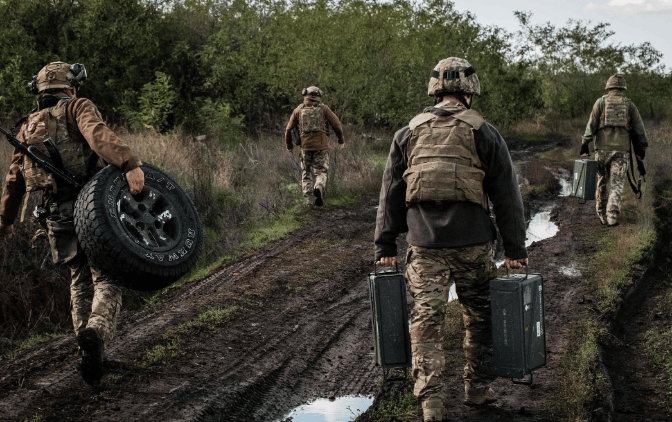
<point>633,21</point>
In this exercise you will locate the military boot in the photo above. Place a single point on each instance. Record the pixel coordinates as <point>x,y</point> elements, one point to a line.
<point>319,195</point>
<point>478,396</point>
<point>433,410</point>
<point>611,220</point>
<point>92,349</point>
<point>603,219</point>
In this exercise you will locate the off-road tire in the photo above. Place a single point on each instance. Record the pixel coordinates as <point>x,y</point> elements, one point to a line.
<point>144,242</point>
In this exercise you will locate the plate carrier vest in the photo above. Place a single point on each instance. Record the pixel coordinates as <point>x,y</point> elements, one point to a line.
<point>311,119</point>
<point>615,117</point>
<point>52,123</point>
<point>443,164</point>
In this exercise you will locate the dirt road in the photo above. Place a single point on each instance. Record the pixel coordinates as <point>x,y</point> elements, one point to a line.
<point>301,331</point>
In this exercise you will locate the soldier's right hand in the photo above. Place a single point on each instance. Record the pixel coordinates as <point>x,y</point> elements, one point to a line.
<point>387,261</point>
<point>514,264</point>
<point>6,232</point>
<point>136,180</point>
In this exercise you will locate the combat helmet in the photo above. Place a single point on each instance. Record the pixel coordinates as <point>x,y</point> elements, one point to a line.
<point>616,82</point>
<point>453,75</point>
<point>58,75</point>
<point>312,92</point>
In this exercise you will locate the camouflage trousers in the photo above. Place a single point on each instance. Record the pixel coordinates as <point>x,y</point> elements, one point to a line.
<point>612,169</point>
<point>430,273</point>
<point>95,301</point>
<point>314,167</point>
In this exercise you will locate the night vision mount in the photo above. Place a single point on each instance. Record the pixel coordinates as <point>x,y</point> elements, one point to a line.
<point>78,71</point>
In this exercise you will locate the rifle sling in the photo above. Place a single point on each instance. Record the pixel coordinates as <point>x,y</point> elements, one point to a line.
<point>56,159</point>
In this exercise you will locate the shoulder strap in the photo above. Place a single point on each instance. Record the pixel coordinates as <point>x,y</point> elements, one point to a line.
<point>470,117</point>
<point>420,119</point>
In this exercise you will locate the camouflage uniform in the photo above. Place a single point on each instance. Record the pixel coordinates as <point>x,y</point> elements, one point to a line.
<point>441,170</point>
<point>614,124</point>
<point>81,137</point>
<point>95,300</point>
<point>612,169</point>
<point>314,120</point>
<point>314,167</point>
<point>430,273</point>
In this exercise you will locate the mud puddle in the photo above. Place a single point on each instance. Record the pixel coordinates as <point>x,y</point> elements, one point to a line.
<point>541,227</point>
<point>566,188</point>
<point>340,409</point>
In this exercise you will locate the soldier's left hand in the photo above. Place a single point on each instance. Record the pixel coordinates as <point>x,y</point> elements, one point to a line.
<point>342,145</point>
<point>639,158</point>
<point>136,180</point>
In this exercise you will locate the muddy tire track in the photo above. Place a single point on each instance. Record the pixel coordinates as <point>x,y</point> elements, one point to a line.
<point>281,354</point>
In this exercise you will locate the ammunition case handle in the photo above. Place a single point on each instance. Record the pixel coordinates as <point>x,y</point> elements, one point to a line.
<point>375,270</point>
<point>527,270</point>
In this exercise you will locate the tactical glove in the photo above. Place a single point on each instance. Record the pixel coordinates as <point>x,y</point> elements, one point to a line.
<point>584,149</point>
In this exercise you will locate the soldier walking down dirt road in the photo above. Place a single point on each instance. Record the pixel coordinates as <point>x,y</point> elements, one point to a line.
<point>80,137</point>
<point>313,120</point>
<point>614,124</point>
<point>441,171</point>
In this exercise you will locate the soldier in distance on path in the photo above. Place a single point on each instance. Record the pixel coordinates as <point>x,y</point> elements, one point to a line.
<point>441,170</point>
<point>81,137</point>
<point>313,119</point>
<point>614,123</point>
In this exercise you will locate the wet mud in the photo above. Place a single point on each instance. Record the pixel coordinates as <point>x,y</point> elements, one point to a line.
<point>305,334</point>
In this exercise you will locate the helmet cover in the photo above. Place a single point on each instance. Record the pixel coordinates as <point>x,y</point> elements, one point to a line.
<point>453,75</point>
<point>616,82</point>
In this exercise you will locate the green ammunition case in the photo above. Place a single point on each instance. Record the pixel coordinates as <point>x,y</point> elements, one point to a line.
<point>585,179</point>
<point>518,332</point>
<point>391,334</point>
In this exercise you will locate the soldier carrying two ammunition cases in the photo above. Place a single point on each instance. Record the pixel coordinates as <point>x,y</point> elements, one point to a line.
<point>313,120</point>
<point>80,138</point>
<point>614,124</point>
<point>441,171</point>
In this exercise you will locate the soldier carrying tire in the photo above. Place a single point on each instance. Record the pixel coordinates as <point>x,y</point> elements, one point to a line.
<point>80,140</point>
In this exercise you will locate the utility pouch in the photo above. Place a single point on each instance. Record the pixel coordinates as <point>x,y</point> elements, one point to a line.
<point>62,239</point>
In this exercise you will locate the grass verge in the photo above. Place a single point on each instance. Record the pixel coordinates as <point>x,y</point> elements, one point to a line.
<point>28,343</point>
<point>581,384</point>
<point>176,340</point>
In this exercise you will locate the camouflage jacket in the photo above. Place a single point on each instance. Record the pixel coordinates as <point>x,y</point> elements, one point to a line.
<point>314,141</point>
<point>84,125</point>
<point>452,224</point>
<point>635,127</point>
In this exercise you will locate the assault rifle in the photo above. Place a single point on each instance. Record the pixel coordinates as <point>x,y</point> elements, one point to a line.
<point>51,164</point>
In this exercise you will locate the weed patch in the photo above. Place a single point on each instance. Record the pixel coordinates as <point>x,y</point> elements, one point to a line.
<point>609,271</point>
<point>177,338</point>
<point>580,381</point>
<point>403,407</point>
<point>28,343</point>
